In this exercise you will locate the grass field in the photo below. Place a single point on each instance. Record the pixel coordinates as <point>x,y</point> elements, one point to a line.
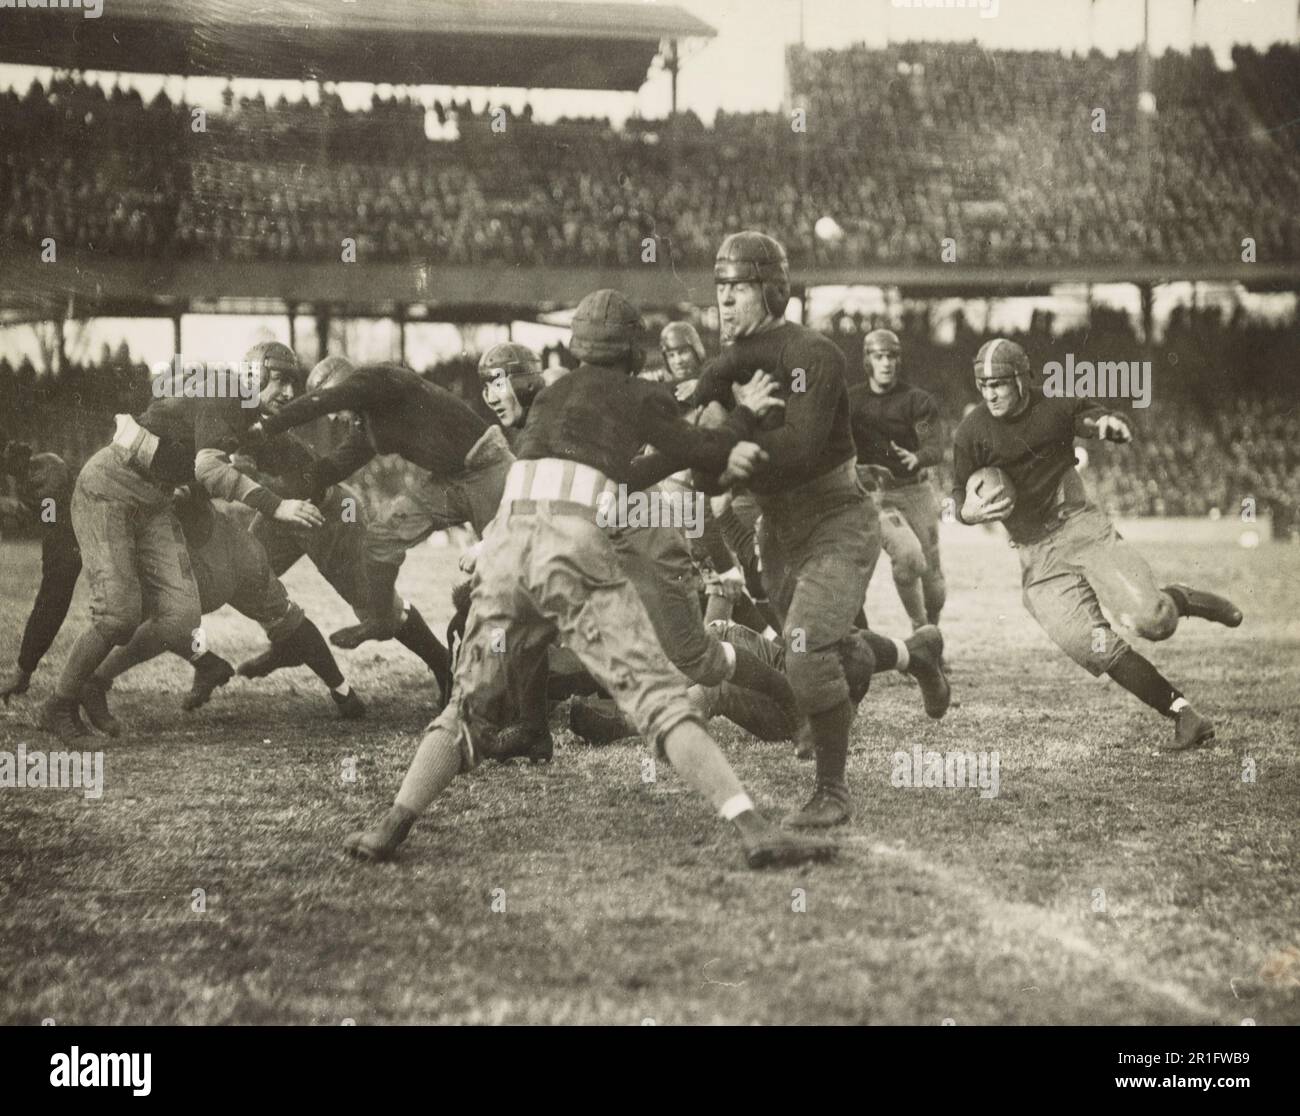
<point>1106,883</point>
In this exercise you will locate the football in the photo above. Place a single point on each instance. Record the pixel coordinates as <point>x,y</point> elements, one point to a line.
<point>989,484</point>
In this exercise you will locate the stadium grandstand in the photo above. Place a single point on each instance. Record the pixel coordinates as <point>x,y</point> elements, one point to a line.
<point>468,214</point>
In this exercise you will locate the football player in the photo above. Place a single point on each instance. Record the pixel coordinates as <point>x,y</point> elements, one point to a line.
<point>896,430</point>
<point>286,465</point>
<point>398,411</point>
<point>817,536</point>
<point>657,560</point>
<point>546,569</point>
<point>1072,560</point>
<point>142,587</point>
<point>45,494</point>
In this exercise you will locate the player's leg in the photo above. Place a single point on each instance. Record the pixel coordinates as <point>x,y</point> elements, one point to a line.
<point>920,507</point>
<point>600,721</point>
<point>1064,603</point>
<point>659,566</point>
<point>261,596</point>
<point>60,569</point>
<point>410,519</point>
<point>1128,588</point>
<point>819,557</point>
<point>906,561</point>
<point>503,637</point>
<point>601,617</point>
<point>172,611</point>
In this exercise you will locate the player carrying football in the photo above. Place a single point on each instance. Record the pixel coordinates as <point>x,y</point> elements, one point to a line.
<point>1072,559</point>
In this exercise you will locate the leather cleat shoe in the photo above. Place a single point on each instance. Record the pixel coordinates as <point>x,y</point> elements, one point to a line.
<point>925,658</point>
<point>767,847</point>
<point>357,634</point>
<point>1206,606</point>
<point>598,721</point>
<point>828,806</point>
<point>351,707</point>
<point>211,672</point>
<point>1190,730</point>
<point>520,741</point>
<point>94,700</point>
<point>60,717</point>
<point>382,841</point>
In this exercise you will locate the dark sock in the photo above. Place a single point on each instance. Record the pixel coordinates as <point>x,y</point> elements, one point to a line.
<point>1144,682</point>
<point>884,650</point>
<point>208,661</point>
<point>307,645</point>
<point>768,613</point>
<point>1179,598</point>
<point>752,673</point>
<point>860,621</point>
<point>830,731</point>
<point>745,613</point>
<point>414,634</point>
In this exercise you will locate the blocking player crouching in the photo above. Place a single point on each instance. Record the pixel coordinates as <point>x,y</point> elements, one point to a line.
<point>546,570</point>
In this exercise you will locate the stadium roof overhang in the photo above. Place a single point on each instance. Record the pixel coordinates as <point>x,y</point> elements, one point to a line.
<point>85,285</point>
<point>532,44</point>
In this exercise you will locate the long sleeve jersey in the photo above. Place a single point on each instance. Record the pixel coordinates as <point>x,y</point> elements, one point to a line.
<point>197,438</point>
<point>1036,450</point>
<point>904,415</point>
<point>815,436</point>
<point>399,412</point>
<point>601,417</point>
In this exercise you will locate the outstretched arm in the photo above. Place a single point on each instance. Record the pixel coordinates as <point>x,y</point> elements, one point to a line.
<point>355,394</point>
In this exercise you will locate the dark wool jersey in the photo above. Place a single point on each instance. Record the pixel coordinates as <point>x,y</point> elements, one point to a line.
<point>1036,449</point>
<point>602,417</point>
<point>197,438</point>
<point>815,436</point>
<point>905,415</point>
<point>399,411</point>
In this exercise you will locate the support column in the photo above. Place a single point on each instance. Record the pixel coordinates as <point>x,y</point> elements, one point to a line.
<point>322,333</point>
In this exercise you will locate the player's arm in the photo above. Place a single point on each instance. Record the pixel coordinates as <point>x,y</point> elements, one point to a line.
<point>963,464</point>
<point>352,453</point>
<point>925,419</point>
<point>714,452</point>
<point>216,438</point>
<point>357,393</point>
<point>750,399</point>
<point>792,446</point>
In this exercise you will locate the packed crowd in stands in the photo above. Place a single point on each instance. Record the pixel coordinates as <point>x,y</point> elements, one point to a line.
<point>1223,425</point>
<point>902,146</point>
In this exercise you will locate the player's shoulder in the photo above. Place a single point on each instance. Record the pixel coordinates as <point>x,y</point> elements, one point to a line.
<point>918,397</point>
<point>811,346</point>
<point>976,422</point>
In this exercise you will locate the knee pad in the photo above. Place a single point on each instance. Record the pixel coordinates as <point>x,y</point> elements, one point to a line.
<point>908,567</point>
<point>177,629</point>
<point>118,628</point>
<point>283,626</point>
<point>1159,623</point>
<point>817,678</point>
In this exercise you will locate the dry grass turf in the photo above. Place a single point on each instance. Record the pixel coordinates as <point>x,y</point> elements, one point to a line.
<point>1106,883</point>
